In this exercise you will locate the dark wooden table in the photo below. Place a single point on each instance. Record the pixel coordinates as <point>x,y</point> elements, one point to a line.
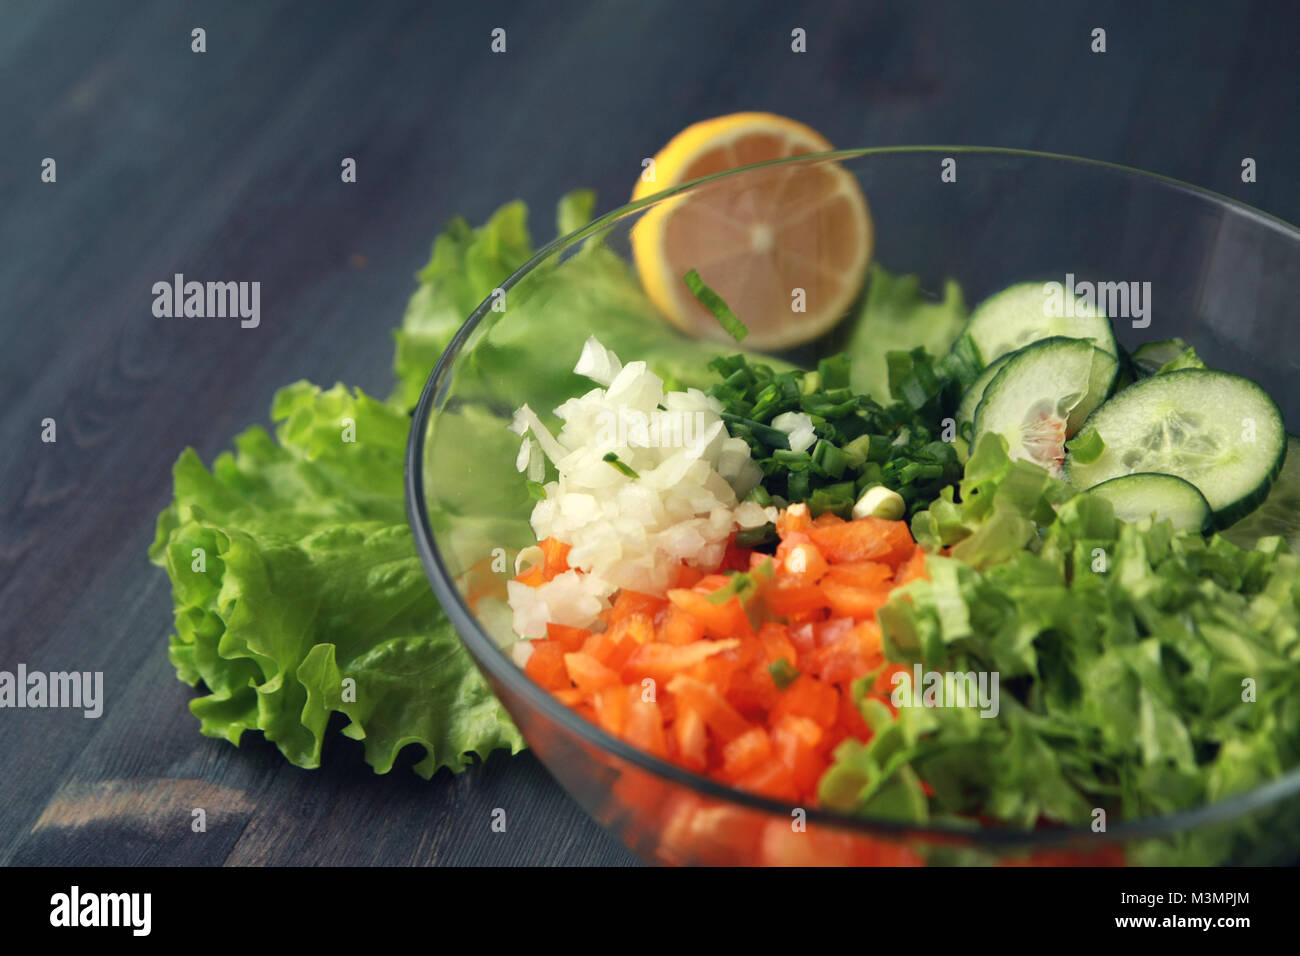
<point>226,164</point>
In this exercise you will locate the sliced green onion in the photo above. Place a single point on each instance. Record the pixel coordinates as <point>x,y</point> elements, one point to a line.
<point>620,466</point>
<point>713,302</point>
<point>783,673</point>
<point>1086,446</point>
<point>754,537</point>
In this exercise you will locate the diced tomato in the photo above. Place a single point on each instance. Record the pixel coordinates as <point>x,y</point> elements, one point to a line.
<point>803,638</point>
<point>912,568</point>
<point>853,602</point>
<point>839,662</point>
<point>634,602</point>
<point>711,582</point>
<point>871,575</point>
<point>687,576</point>
<point>746,752</point>
<point>796,742</point>
<point>809,697</point>
<point>570,638</point>
<point>793,519</point>
<point>752,691</point>
<point>771,779</point>
<point>734,558</point>
<point>556,557</point>
<point>679,627</point>
<point>534,577</point>
<point>691,681</point>
<point>720,717</point>
<point>691,737</point>
<point>776,643</point>
<point>611,706</point>
<point>645,723</point>
<point>864,539</point>
<point>851,720</point>
<point>661,662</point>
<point>870,641</point>
<point>546,665</point>
<point>615,646</point>
<point>720,620</point>
<point>788,600</point>
<point>830,631</point>
<point>589,674</point>
<point>801,562</point>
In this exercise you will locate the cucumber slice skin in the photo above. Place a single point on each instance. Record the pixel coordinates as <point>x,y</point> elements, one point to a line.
<point>1015,317</point>
<point>971,397</point>
<point>1210,405</point>
<point>1010,399</point>
<point>1279,514</point>
<point>1169,497</point>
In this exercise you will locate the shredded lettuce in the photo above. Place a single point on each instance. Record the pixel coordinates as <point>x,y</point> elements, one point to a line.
<point>1141,671</point>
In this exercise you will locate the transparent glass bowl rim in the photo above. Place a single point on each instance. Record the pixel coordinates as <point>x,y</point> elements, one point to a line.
<point>491,657</point>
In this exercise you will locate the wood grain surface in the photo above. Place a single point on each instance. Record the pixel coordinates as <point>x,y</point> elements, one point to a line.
<point>226,165</point>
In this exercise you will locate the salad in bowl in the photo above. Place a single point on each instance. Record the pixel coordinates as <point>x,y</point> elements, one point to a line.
<point>770,572</point>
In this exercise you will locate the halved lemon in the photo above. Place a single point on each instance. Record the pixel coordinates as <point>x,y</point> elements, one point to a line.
<point>787,248</point>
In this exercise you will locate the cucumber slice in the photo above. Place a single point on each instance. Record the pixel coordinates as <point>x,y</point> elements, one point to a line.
<point>1020,315</point>
<point>1041,396</point>
<point>1280,512</point>
<point>1166,496</point>
<point>1219,431</point>
<point>970,399</point>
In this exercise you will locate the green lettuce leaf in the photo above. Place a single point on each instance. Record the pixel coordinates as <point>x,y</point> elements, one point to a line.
<point>468,263</point>
<point>897,316</point>
<point>298,593</point>
<point>526,351</point>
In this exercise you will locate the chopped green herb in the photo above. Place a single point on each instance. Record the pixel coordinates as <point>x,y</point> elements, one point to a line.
<point>783,673</point>
<point>859,442</point>
<point>742,584</point>
<point>756,537</point>
<point>713,302</point>
<point>623,468</point>
<point>1086,446</point>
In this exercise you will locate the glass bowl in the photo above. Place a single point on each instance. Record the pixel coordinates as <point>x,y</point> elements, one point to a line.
<point>1222,276</point>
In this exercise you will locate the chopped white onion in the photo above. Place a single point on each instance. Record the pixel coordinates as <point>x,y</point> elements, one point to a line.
<point>597,362</point>
<point>798,427</point>
<point>624,531</point>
